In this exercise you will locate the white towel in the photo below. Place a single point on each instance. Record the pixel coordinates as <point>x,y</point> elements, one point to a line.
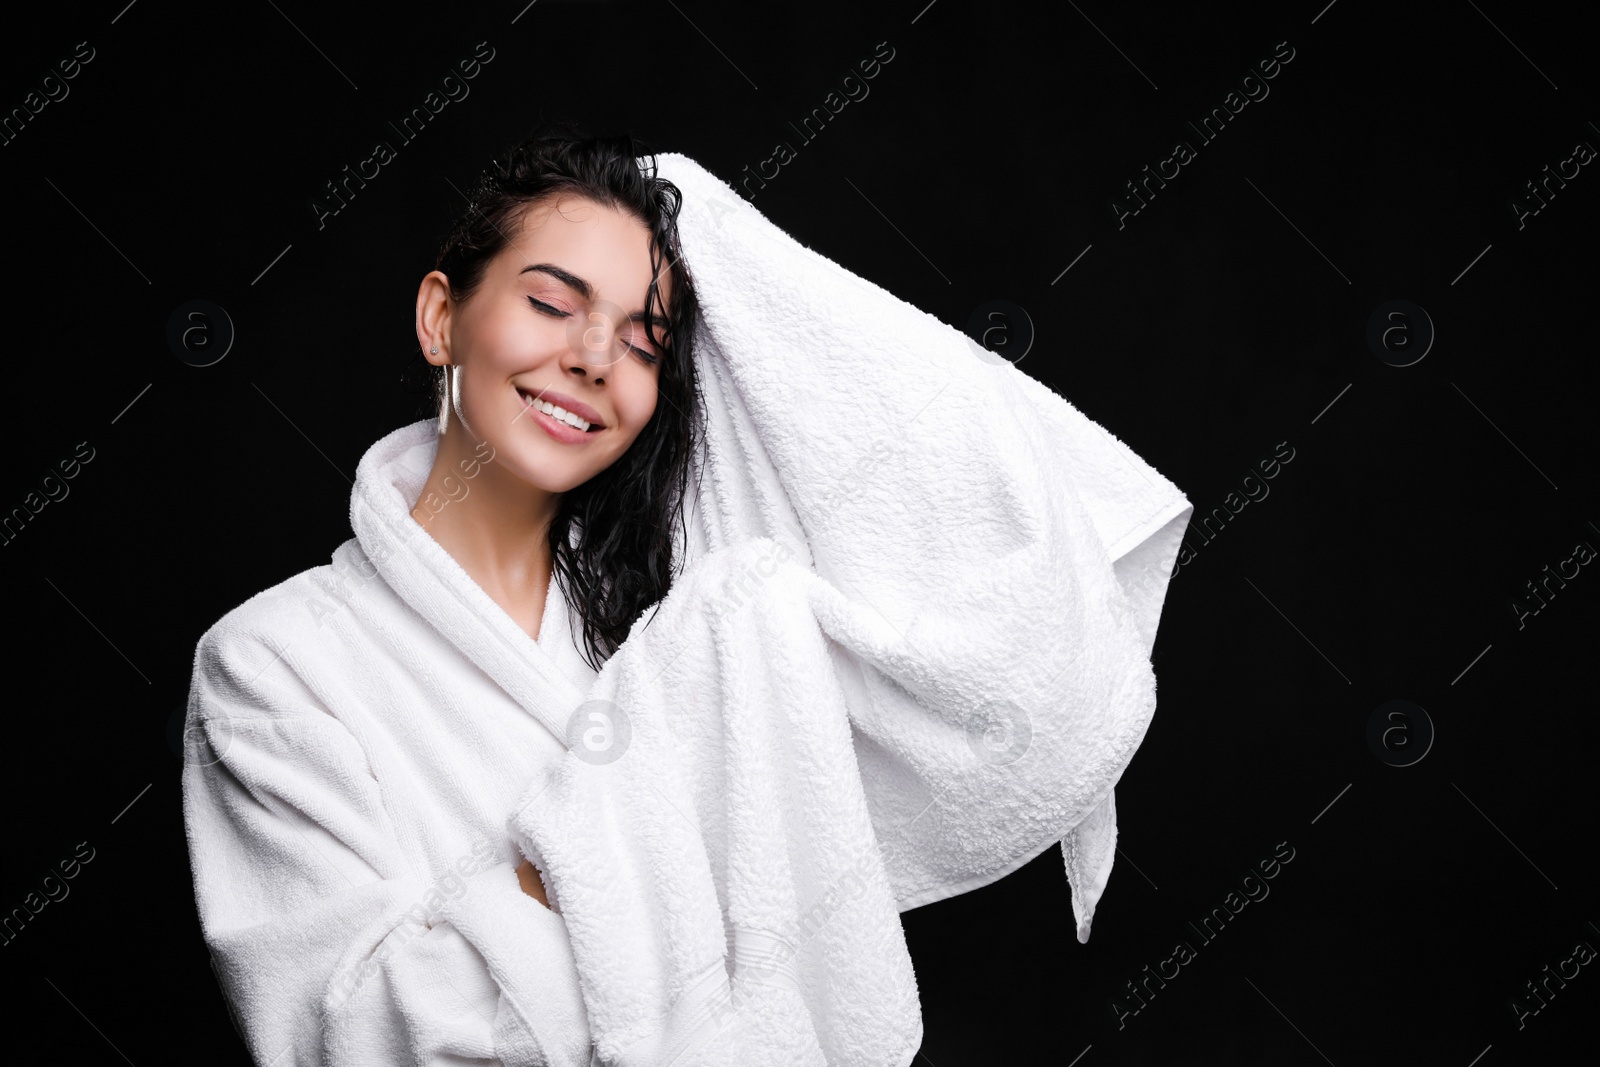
<point>910,650</point>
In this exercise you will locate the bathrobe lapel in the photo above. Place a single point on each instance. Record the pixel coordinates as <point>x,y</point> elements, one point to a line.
<point>419,570</point>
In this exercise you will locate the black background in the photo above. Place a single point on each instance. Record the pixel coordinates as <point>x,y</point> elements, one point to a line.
<point>1226,317</point>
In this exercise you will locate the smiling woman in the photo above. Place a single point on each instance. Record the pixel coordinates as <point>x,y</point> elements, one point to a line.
<point>817,709</point>
<point>549,300</point>
<point>344,764</point>
<point>546,351</point>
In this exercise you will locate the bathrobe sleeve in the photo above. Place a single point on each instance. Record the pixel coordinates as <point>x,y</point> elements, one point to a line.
<point>330,946</point>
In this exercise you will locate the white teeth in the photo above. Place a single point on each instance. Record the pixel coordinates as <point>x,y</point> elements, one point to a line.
<point>560,414</point>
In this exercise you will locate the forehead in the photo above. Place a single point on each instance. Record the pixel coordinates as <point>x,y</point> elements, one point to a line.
<point>608,248</point>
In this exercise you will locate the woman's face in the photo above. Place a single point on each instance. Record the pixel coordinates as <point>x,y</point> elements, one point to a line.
<point>559,319</point>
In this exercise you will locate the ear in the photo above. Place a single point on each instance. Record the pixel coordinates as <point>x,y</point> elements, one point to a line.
<point>434,308</point>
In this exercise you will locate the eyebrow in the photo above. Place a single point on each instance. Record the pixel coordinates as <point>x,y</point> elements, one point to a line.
<point>566,277</point>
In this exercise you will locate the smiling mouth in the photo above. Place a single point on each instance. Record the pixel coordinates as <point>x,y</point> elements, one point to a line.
<point>533,403</point>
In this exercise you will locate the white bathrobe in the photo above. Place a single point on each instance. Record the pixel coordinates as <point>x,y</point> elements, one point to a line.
<point>347,782</point>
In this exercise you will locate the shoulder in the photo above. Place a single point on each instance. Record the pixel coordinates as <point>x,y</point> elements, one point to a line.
<point>289,614</point>
<point>265,678</point>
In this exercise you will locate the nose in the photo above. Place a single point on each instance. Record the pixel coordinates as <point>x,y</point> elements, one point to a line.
<point>577,369</point>
<point>581,359</point>
<point>592,340</point>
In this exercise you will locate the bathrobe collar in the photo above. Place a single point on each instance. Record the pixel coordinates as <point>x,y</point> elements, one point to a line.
<point>388,484</point>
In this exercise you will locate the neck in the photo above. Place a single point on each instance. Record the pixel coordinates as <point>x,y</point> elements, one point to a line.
<point>494,524</point>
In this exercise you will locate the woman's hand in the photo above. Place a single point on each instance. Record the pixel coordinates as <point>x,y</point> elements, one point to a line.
<point>528,878</point>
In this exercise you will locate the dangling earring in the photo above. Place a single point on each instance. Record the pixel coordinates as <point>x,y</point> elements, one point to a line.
<point>444,401</point>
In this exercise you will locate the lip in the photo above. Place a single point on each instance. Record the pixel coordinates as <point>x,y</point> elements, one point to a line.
<point>557,429</point>
<point>567,403</point>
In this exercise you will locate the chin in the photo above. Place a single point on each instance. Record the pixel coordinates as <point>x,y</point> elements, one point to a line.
<point>552,470</point>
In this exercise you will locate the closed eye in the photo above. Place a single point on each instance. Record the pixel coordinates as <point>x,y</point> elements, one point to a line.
<point>547,309</point>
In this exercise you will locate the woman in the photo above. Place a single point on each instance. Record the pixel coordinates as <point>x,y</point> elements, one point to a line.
<point>906,652</point>
<point>361,898</point>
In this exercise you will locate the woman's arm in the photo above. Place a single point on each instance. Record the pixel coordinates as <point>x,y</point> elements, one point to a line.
<point>325,936</point>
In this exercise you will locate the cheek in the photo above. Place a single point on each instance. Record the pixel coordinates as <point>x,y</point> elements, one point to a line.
<point>471,387</point>
<point>482,400</point>
<point>502,340</point>
<point>638,394</point>
<point>646,406</point>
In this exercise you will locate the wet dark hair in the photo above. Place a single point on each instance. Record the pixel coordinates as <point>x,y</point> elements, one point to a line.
<point>612,537</point>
